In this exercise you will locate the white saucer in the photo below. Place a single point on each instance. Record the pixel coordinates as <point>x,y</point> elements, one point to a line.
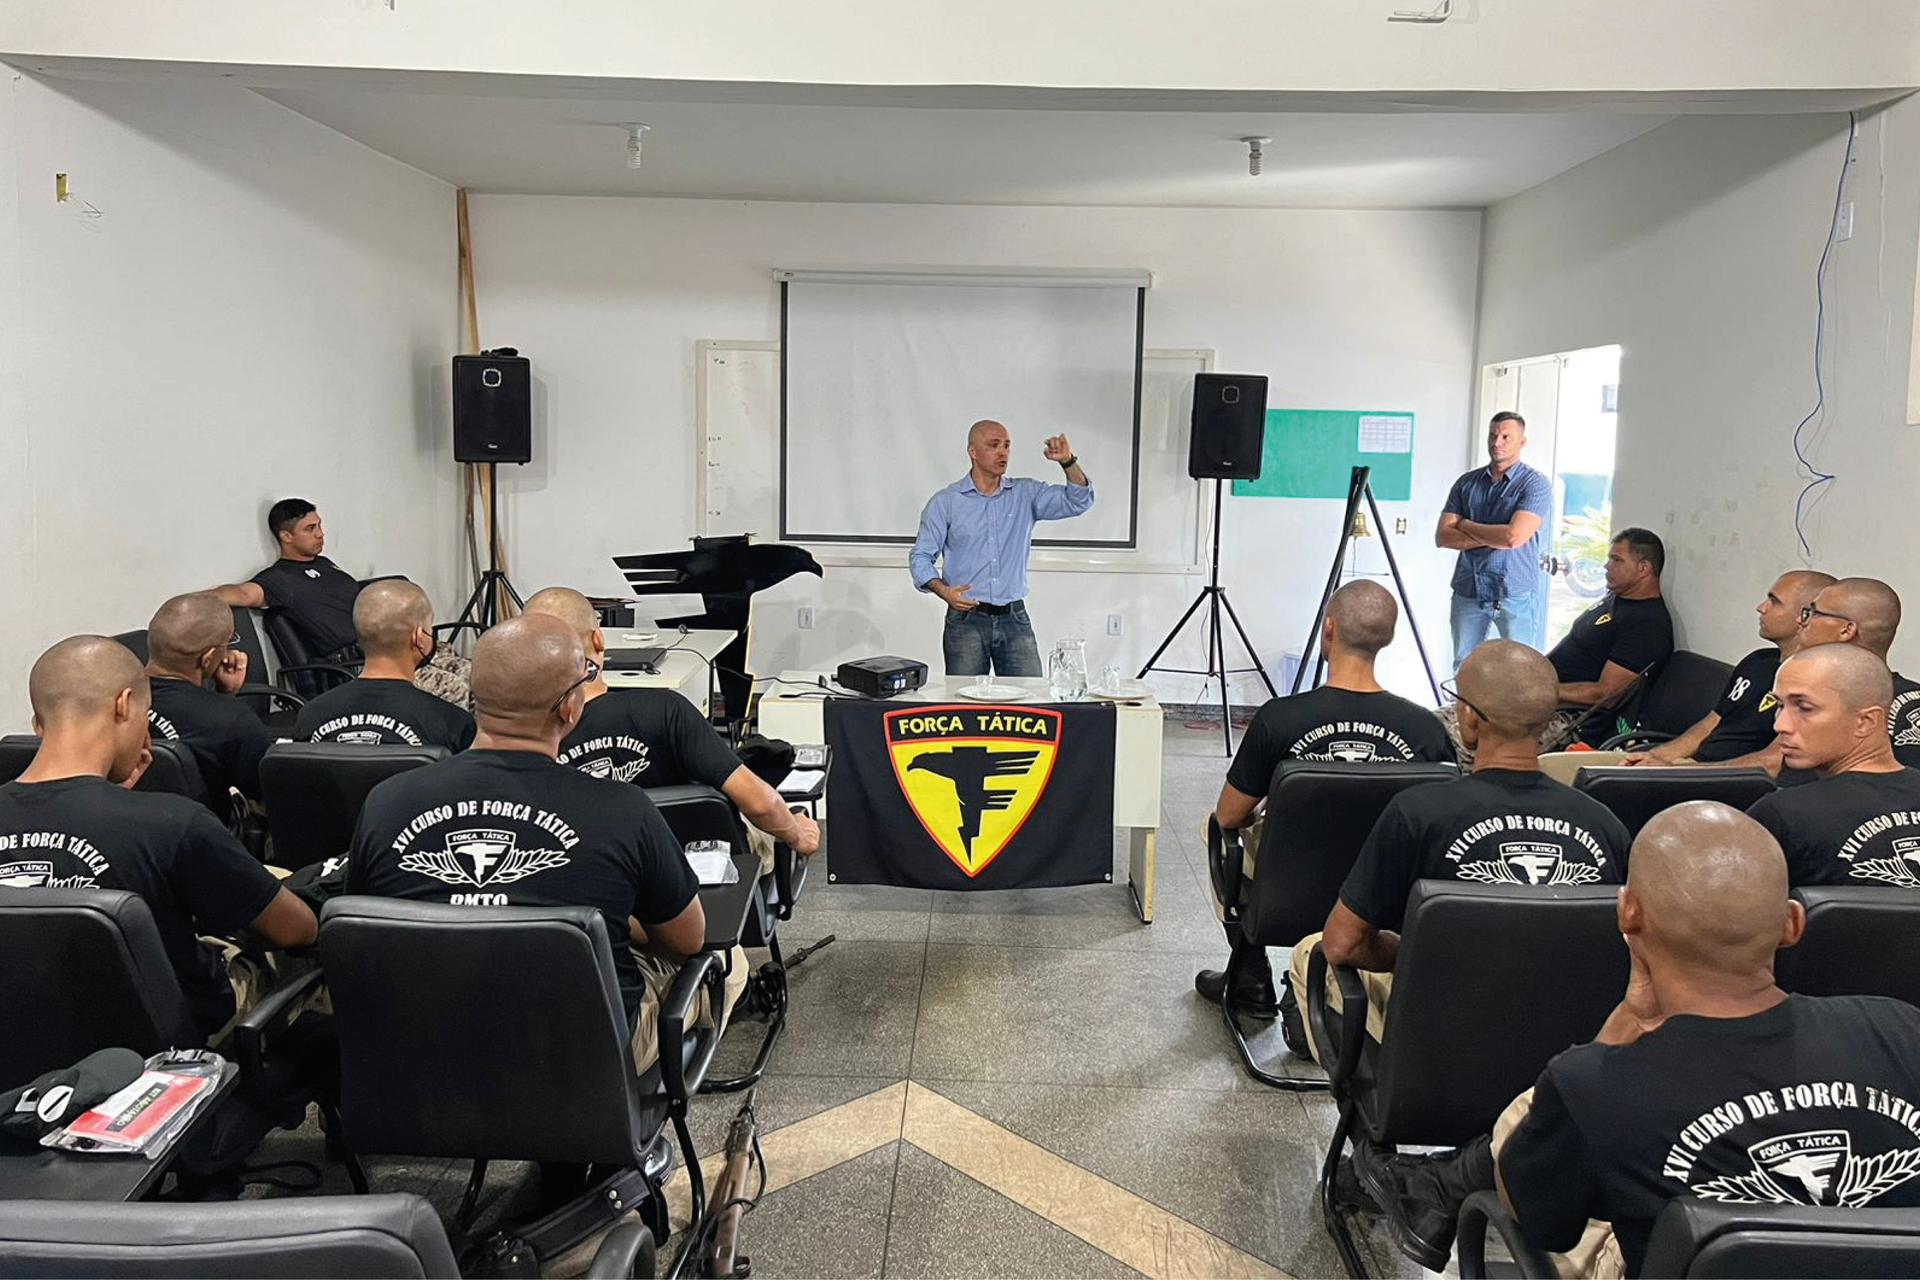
<point>994,693</point>
<point>1125,691</point>
<point>639,637</point>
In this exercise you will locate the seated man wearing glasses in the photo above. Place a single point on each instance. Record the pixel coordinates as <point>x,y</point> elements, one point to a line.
<point>394,620</point>
<point>505,824</point>
<point>189,644</point>
<point>1504,823</point>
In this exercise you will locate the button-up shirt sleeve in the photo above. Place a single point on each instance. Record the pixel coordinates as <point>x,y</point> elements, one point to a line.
<point>1061,501</point>
<point>931,540</point>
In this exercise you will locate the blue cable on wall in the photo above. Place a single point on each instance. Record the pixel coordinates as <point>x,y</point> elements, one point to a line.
<point>1818,477</point>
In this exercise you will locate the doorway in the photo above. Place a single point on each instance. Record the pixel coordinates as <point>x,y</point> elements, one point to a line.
<point>1570,401</point>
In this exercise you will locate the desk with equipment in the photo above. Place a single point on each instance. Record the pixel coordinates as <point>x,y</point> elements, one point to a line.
<point>794,710</point>
<point>681,662</point>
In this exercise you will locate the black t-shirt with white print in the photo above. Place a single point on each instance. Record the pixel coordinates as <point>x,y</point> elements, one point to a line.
<point>653,737</point>
<point>1816,1101</point>
<point>1495,826</point>
<point>1852,828</point>
<point>383,712</point>
<point>1634,634</point>
<point>87,833</point>
<point>227,739</point>
<point>317,598</point>
<point>1745,709</point>
<point>1903,721</point>
<point>1335,724</point>
<point>516,829</point>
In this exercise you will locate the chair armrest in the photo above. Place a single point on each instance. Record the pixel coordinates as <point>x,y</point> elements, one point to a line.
<point>1338,1043</point>
<point>268,1019</point>
<point>626,1251</point>
<point>1644,737</point>
<point>272,691</point>
<point>676,1007</point>
<point>1481,1211</point>
<point>450,627</point>
<point>1226,857</point>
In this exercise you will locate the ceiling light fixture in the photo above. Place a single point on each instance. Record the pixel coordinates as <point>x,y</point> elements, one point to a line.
<point>1254,153</point>
<point>635,132</point>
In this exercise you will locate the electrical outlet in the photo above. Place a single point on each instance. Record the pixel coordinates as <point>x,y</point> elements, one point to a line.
<point>1400,524</point>
<point>806,617</point>
<point>1113,624</point>
<point>1843,225</point>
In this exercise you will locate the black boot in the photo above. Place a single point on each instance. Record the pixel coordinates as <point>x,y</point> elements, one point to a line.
<point>1422,1195</point>
<point>1293,1025</point>
<point>1252,993</point>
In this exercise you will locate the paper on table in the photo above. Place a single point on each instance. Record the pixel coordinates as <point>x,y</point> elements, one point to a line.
<point>1386,433</point>
<point>801,780</point>
<point>712,868</point>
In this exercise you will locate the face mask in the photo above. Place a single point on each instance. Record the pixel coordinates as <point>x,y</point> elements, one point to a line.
<point>421,660</point>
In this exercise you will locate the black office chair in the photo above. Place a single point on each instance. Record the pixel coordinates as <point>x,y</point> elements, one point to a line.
<point>297,667</point>
<point>174,771</point>
<point>697,812</point>
<point>1635,793</point>
<point>1861,940</point>
<point>1490,983</point>
<point>498,1033</point>
<point>1318,815</point>
<point>1711,1240</point>
<point>314,792</point>
<point>322,1236</point>
<point>1673,700</point>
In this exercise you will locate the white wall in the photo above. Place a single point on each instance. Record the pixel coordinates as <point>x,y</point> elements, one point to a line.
<point>1694,248</point>
<point>1333,45</point>
<point>261,308</point>
<point>1344,310</point>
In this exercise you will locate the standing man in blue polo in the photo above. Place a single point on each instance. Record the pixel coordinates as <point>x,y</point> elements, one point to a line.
<point>1492,518</point>
<point>980,529</point>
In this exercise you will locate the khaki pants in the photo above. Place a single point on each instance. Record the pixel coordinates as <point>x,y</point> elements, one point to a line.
<point>762,846</point>
<point>658,975</point>
<point>1562,765</point>
<point>1597,1256</point>
<point>1379,987</point>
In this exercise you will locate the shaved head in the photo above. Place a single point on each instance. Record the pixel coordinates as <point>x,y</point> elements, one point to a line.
<point>1857,678</point>
<point>1798,587</point>
<point>1363,615</point>
<point>1833,705</point>
<point>520,669</point>
<point>567,605</point>
<point>1707,888</point>
<point>186,627</point>
<point>79,679</point>
<point>1511,686</point>
<point>1871,605</point>
<point>981,429</point>
<point>386,614</point>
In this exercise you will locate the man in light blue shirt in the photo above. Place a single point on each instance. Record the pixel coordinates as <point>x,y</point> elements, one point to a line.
<point>980,529</point>
<point>1493,518</point>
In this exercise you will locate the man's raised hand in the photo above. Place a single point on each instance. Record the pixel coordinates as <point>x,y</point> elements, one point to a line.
<point>1058,450</point>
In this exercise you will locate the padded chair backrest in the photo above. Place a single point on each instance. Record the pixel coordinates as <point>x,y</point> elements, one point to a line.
<point>16,753</point>
<point>246,625</point>
<point>174,771</point>
<point>1491,982</point>
<point>1635,793</point>
<point>80,970</point>
<point>1710,1240</point>
<point>318,1236</point>
<point>314,792</point>
<point>480,1032</point>
<point>1861,940</point>
<point>1318,815</point>
<point>1684,689</point>
<point>136,641</point>
<point>695,811</point>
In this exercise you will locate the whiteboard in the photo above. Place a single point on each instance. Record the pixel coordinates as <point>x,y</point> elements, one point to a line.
<point>737,420</point>
<point>893,373</point>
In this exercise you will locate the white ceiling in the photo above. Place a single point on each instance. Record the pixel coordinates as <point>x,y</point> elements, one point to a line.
<point>952,154</point>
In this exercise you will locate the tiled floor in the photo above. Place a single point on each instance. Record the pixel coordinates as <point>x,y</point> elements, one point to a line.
<point>1072,1108</point>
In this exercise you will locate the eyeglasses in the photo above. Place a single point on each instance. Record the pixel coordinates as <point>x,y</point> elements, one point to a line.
<point>1809,613</point>
<point>593,673</point>
<point>1452,689</point>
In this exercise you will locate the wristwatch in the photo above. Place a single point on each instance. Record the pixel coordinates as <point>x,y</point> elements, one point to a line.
<point>1073,460</point>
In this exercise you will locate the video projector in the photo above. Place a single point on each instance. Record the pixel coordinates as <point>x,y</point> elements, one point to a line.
<point>882,677</point>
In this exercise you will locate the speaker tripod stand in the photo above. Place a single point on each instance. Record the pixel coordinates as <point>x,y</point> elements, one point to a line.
<point>1360,487</point>
<point>1214,596</point>
<point>482,609</point>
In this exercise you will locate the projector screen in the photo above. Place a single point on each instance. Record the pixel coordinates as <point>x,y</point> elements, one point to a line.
<point>880,381</point>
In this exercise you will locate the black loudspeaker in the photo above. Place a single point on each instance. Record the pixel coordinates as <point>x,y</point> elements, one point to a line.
<point>493,407</point>
<point>1229,425</point>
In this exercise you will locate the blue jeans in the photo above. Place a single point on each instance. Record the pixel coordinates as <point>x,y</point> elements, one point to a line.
<point>1516,619</point>
<point>973,638</point>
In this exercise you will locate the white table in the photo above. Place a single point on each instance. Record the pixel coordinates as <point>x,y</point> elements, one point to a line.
<point>794,714</point>
<point>685,667</point>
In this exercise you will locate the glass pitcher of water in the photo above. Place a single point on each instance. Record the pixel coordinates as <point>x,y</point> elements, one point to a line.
<point>1067,670</point>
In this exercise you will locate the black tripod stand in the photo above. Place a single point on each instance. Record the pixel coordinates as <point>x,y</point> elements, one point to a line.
<point>482,609</point>
<point>1359,488</point>
<point>1214,596</point>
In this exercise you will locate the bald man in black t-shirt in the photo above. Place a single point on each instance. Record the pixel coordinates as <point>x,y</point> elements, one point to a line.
<point>190,646</point>
<point>382,707</point>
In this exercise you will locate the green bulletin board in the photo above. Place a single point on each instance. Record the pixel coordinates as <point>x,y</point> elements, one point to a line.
<point>1311,453</point>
